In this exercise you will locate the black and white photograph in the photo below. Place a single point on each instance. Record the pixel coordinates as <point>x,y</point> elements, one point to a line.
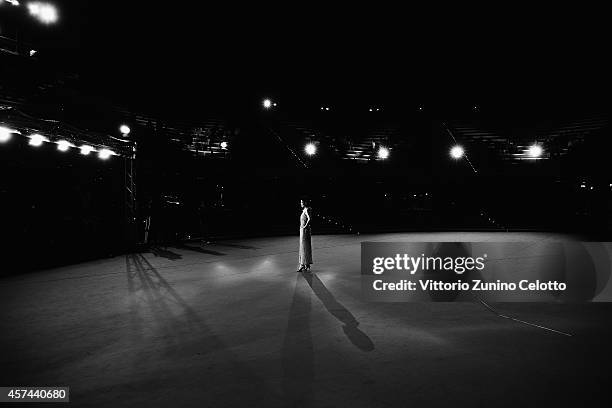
<point>298,205</point>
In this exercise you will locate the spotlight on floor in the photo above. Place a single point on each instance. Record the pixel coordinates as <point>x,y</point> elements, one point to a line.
<point>383,153</point>
<point>37,140</point>
<point>267,103</point>
<point>124,129</point>
<point>224,145</point>
<point>310,149</point>
<point>535,151</point>
<point>5,134</point>
<point>64,145</point>
<point>44,12</point>
<point>86,149</point>
<point>457,152</point>
<point>105,154</point>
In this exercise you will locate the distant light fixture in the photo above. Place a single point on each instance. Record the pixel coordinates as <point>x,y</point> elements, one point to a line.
<point>224,145</point>
<point>125,130</point>
<point>33,52</point>
<point>535,151</point>
<point>44,12</point>
<point>5,134</point>
<point>37,140</point>
<point>457,152</point>
<point>383,153</point>
<point>105,154</point>
<point>327,108</point>
<point>13,2</point>
<point>371,109</point>
<point>267,103</point>
<point>310,149</point>
<point>64,145</point>
<point>86,149</point>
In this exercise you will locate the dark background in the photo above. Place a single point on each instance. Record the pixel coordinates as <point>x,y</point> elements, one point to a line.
<point>166,69</point>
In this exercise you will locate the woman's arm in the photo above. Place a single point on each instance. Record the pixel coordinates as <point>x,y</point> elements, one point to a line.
<point>307,218</point>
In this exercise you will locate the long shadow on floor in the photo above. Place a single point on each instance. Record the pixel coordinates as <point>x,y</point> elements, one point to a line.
<point>356,336</point>
<point>156,306</point>
<point>199,249</point>
<point>165,253</point>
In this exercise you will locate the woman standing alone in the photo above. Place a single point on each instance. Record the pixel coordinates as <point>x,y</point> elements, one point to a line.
<point>305,256</point>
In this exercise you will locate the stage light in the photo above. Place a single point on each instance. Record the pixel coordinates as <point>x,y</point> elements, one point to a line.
<point>5,134</point>
<point>86,149</point>
<point>44,12</point>
<point>457,152</point>
<point>224,145</point>
<point>267,103</point>
<point>310,149</point>
<point>105,154</point>
<point>535,151</point>
<point>64,145</point>
<point>383,153</point>
<point>124,129</point>
<point>37,140</point>
<point>33,52</point>
<point>13,2</point>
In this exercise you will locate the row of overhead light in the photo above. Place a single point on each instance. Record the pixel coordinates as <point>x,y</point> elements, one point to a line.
<point>456,152</point>
<point>63,145</point>
<point>44,12</point>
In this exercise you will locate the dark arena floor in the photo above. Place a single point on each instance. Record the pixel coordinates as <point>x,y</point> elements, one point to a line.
<point>232,324</point>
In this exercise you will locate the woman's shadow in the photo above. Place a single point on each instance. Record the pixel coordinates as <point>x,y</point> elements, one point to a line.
<point>356,336</point>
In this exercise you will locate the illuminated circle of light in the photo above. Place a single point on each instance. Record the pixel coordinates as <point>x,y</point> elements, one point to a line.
<point>64,145</point>
<point>224,145</point>
<point>267,103</point>
<point>105,154</point>
<point>86,149</point>
<point>124,129</point>
<point>310,149</point>
<point>535,151</point>
<point>5,134</point>
<point>457,152</point>
<point>37,140</point>
<point>383,153</point>
<point>44,12</point>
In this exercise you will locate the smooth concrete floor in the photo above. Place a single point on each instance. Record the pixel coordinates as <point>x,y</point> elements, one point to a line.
<point>232,324</point>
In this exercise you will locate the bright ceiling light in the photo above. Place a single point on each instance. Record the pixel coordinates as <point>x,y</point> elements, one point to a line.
<point>44,12</point>
<point>267,103</point>
<point>310,149</point>
<point>37,140</point>
<point>64,145</point>
<point>124,129</point>
<point>457,152</point>
<point>535,151</point>
<point>105,154</point>
<point>86,149</point>
<point>383,153</point>
<point>5,134</point>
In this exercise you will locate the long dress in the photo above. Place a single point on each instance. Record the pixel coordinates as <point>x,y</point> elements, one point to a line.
<point>305,257</point>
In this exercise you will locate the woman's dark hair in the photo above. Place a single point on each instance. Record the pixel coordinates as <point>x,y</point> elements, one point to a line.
<point>306,202</point>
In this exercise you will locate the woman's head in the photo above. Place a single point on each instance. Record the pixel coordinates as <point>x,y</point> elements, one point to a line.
<point>304,203</point>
